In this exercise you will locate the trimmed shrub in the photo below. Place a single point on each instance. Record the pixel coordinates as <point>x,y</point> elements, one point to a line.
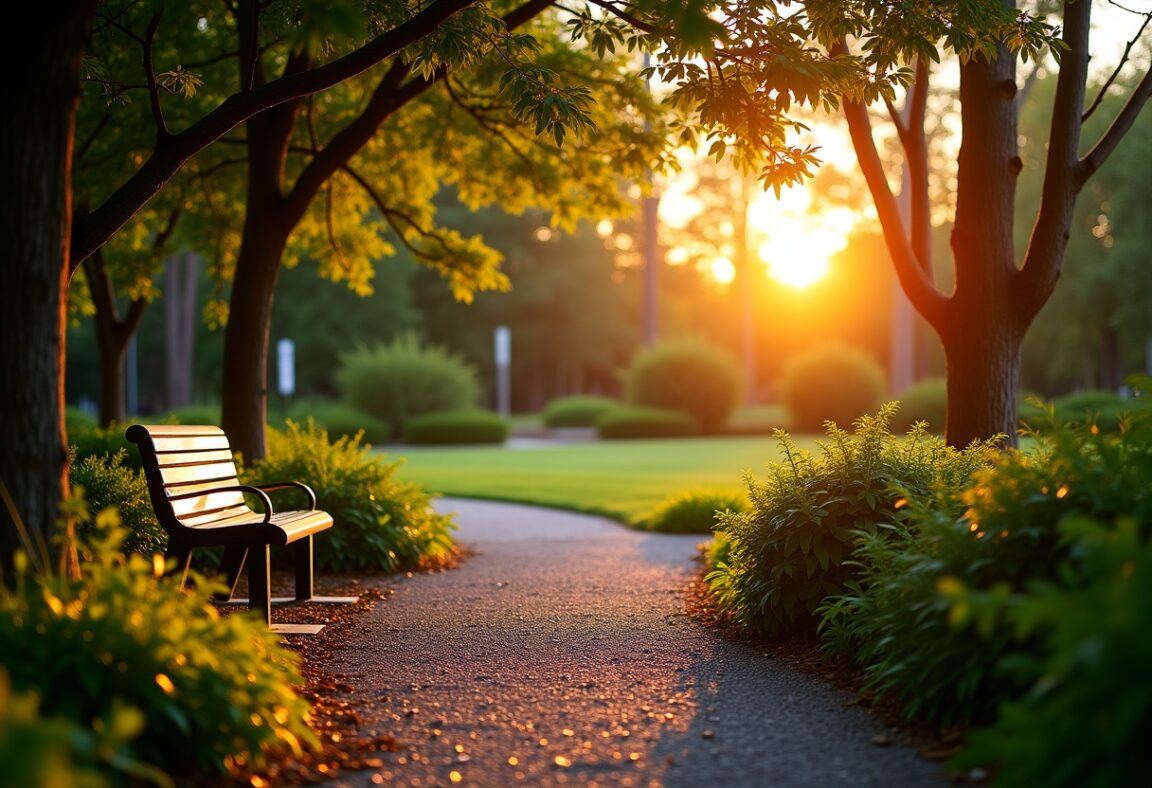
<point>397,381</point>
<point>830,383</point>
<point>688,375</point>
<point>626,421</point>
<point>99,442</point>
<point>108,483</point>
<point>76,420</point>
<point>692,512</point>
<point>793,548</point>
<point>118,639</point>
<point>380,523</point>
<point>932,618</point>
<point>456,427</point>
<point>925,401</point>
<point>191,414</point>
<point>578,411</point>
<point>341,419</point>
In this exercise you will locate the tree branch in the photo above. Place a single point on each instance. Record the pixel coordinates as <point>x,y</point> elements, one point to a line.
<point>1107,143</point>
<point>1116,72</point>
<point>929,301</point>
<point>90,231</point>
<point>150,76</point>
<point>1063,172</point>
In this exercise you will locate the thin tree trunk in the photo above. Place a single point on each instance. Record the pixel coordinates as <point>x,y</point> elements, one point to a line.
<point>112,337</point>
<point>35,234</point>
<point>179,328</point>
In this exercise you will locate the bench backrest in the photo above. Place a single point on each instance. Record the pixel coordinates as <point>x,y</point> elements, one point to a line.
<point>181,459</point>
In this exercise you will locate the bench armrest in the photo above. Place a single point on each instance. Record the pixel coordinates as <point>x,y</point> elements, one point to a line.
<point>289,485</point>
<point>244,488</point>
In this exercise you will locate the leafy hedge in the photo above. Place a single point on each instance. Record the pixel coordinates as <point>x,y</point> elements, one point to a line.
<point>626,421</point>
<point>106,481</point>
<point>687,375</point>
<point>792,549</point>
<point>576,411</point>
<point>141,656</point>
<point>380,523</point>
<point>456,427</point>
<point>341,419</point>
<point>830,383</point>
<point>406,378</point>
<point>692,511</point>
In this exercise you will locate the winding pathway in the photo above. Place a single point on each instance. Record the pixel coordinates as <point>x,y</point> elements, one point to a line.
<point>558,654</point>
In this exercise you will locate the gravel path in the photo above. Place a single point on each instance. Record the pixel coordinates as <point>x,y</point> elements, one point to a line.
<point>558,654</point>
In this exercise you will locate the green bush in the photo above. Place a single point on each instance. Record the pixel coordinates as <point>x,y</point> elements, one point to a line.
<point>688,375</point>
<point>1104,409</point>
<point>1086,719</point>
<point>98,442</point>
<point>397,381</point>
<point>830,383</point>
<point>341,419</point>
<point>578,411</point>
<point>626,421</point>
<point>924,401</point>
<point>1000,535</point>
<point>456,427</point>
<point>76,420</point>
<point>50,751</point>
<point>793,548</point>
<point>209,688</point>
<point>380,523</point>
<point>108,482</point>
<point>190,414</point>
<point>692,512</point>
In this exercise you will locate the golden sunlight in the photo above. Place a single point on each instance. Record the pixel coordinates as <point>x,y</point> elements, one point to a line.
<point>800,238</point>
<point>723,271</point>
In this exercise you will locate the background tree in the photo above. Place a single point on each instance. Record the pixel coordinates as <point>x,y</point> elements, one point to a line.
<point>43,242</point>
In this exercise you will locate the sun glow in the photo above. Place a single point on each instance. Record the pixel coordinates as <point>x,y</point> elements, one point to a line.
<point>723,271</point>
<point>799,238</point>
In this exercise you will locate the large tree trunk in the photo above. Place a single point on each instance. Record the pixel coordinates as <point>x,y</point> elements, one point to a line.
<point>982,328</point>
<point>35,234</point>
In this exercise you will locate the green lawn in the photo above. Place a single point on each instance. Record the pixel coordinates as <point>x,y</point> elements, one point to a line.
<point>619,479</point>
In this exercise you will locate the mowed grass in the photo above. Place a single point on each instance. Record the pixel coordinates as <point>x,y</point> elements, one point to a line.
<point>618,479</point>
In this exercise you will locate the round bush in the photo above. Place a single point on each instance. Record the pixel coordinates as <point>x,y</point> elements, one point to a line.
<point>98,442</point>
<point>456,427</point>
<point>923,401</point>
<point>693,511</point>
<point>118,640</point>
<point>404,378</point>
<point>688,375</point>
<point>634,422</point>
<point>579,411</point>
<point>341,419</point>
<point>381,523</point>
<point>830,383</point>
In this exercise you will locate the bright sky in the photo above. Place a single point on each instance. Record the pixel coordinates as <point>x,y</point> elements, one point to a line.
<point>795,238</point>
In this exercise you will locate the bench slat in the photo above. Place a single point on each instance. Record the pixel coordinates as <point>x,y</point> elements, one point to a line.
<point>213,502</point>
<point>219,517</point>
<point>190,443</point>
<point>167,459</point>
<point>185,474</point>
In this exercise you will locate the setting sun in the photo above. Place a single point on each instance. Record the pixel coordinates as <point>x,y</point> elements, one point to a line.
<point>799,241</point>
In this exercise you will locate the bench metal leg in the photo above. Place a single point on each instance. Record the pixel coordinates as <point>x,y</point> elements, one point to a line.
<point>182,553</point>
<point>231,565</point>
<point>259,583</point>
<point>302,563</point>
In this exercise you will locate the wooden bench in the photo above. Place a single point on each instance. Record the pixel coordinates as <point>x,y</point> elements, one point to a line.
<point>197,498</point>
